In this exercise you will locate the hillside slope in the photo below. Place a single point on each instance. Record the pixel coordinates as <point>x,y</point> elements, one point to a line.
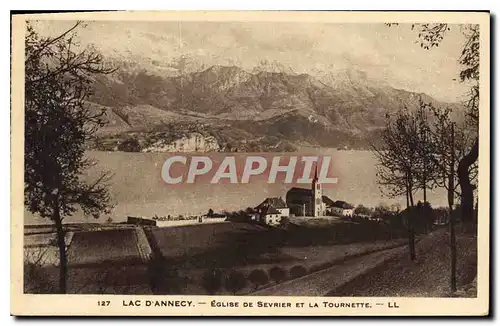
<point>271,111</point>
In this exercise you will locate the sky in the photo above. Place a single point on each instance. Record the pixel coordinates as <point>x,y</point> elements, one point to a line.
<point>389,54</point>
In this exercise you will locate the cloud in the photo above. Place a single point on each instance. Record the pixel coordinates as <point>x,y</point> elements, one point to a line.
<point>387,53</point>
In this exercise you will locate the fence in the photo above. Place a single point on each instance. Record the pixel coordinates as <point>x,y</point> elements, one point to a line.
<point>172,223</point>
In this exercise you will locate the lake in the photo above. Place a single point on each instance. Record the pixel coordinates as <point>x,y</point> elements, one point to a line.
<point>138,189</point>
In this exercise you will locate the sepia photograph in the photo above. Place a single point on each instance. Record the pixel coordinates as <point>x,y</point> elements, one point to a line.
<point>243,157</point>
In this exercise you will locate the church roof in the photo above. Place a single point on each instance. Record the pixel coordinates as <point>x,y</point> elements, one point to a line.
<point>304,192</point>
<point>275,202</point>
<point>299,191</point>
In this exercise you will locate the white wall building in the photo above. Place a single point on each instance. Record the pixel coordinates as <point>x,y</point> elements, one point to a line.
<point>341,208</point>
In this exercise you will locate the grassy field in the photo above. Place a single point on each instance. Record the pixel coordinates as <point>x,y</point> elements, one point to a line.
<point>188,253</point>
<point>117,260</point>
<point>109,246</point>
<point>100,261</point>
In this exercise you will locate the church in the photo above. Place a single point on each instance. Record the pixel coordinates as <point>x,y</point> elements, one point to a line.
<point>308,202</point>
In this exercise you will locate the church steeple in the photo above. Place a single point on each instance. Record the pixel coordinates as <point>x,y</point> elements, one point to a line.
<point>317,195</point>
<point>315,179</point>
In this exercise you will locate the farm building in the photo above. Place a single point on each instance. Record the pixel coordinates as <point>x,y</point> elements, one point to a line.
<point>341,208</point>
<point>271,210</point>
<point>270,216</point>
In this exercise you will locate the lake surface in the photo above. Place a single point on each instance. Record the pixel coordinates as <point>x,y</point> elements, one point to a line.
<point>138,189</point>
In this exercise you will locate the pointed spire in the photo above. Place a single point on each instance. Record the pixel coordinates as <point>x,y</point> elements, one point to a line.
<point>316,173</point>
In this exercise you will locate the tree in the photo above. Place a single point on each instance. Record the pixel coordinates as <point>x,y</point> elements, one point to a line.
<point>35,258</point>
<point>426,168</point>
<point>277,274</point>
<point>398,168</point>
<point>258,277</point>
<point>249,211</point>
<point>212,280</point>
<point>285,222</point>
<point>130,145</point>
<point>235,281</point>
<point>58,125</point>
<point>450,144</point>
<point>362,210</point>
<point>470,73</point>
<point>397,156</point>
<point>430,36</point>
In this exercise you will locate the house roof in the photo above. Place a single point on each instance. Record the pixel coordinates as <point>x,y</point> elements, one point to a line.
<point>271,210</point>
<point>275,202</point>
<point>342,204</point>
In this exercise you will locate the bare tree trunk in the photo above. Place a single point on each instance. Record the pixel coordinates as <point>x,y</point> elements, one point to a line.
<point>61,244</point>
<point>451,200</point>
<point>411,228</point>
<point>407,199</point>
<point>425,171</point>
<point>412,202</point>
<point>425,185</point>
<point>467,192</point>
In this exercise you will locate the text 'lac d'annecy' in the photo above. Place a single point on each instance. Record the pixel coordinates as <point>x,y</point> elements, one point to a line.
<point>243,169</point>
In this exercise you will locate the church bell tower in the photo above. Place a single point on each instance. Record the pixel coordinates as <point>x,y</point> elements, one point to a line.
<point>317,195</point>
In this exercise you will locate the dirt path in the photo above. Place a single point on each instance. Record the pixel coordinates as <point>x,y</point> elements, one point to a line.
<point>428,276</point>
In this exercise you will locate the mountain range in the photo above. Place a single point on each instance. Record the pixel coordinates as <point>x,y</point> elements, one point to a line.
<point>227,108</point>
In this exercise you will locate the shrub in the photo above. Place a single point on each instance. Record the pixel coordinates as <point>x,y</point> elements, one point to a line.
<point>285,221</point>
<point>234,281</point>
<point>130,145</point>
<point>171,282</point>
<point>362,210</point>
<point>212,280</point>
<point>298,271</point>
<point>258,277</point>
<point>277,274</point>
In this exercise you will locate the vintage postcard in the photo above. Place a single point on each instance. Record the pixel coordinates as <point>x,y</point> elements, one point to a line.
<point>250,163</point>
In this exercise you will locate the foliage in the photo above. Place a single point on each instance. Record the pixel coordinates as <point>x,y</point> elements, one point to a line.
<point>431,35</point>
<point>403,163</point>
<point>426,217</point>
<point>35,277</point>
<point>449,142</point>
<point>362,210</point>
<point>234,281</point>
<point>170,281</point>
<point>284,222</point>
<point>129,145</point>
<point>399,156</point>
<point>212,280</point>
<point>298,271</point>
<point>238,216</point>
<point>58,125</point>
<point>277,274</point>
<point>258,277</point>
